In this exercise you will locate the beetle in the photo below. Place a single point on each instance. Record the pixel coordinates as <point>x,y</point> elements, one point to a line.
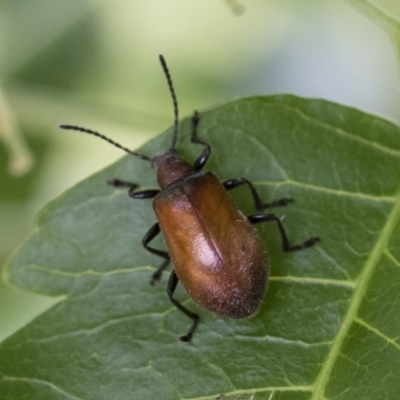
<point>216,252</point>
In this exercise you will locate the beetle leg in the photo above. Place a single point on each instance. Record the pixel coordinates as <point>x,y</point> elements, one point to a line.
<point>143,194</point>
<point>286,247</point>
<point>203,157</point>
<point>148,237</point>
<point>120,183</point>
<point>173,281</point>
<point>157,275</point>
<point>234,183</point>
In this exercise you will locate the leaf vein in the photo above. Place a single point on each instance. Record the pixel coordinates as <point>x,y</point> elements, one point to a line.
<point>377,332</point>
<point>331,191</point>
<point>42,382</point>
<point>87,272</point>
<point>253,391</point>
<point>313,281</point>
<point>344,133</point>
<point>395,261</point>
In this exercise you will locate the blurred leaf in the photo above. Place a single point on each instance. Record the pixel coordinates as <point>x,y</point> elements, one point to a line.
<point>386,20</point>
<point>30,29</point>
<point>236,7</point>
<point>20,158</point>
<point>329,326</point>
<point>67,62</point>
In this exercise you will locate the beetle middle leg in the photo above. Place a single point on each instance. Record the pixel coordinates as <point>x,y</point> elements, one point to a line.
<point>148,237</point>
<point>234,183</point>
<point>172,283</point>
<point>286,247</point>
<point>153,231</point>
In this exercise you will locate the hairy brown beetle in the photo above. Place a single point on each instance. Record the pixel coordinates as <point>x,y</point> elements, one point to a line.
<point>216,252</point>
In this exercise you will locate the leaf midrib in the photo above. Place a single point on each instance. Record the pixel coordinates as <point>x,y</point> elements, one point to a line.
<point>362,284</point>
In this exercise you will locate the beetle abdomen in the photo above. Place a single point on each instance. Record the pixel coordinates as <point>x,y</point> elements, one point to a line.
<point>217,254</point>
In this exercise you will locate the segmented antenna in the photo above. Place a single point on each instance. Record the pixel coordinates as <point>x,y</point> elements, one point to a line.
<point>174,99</point>
<point>80,129</point>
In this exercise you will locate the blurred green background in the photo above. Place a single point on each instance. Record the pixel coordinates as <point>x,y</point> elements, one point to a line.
<point>94,63</point>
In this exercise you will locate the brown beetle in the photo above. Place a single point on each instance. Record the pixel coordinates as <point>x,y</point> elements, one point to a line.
<point>216,252</point>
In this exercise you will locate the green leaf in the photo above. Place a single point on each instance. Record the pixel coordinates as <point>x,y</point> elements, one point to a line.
<point>329,326</point>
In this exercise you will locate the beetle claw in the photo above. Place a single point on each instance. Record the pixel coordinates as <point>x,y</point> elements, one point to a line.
<point>311,242</point>
<point>186,338</point>
<point>155,277</point>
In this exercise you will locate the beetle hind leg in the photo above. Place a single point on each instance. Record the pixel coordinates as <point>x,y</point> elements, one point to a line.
<point>173,279</point>
<point>286,247</point>
<point>172,283</point>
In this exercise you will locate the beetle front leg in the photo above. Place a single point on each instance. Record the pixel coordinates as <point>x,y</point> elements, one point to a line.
<point>143,194</point>
<point>286,247</point>
<point>121,183</point>
<point>234,183</point>
<point>205,154</point>
<point>148,237</point>
<point>172,283</point>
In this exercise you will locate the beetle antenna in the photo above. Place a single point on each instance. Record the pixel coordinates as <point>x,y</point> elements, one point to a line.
<point>174,99</point>
<point>85,130</point>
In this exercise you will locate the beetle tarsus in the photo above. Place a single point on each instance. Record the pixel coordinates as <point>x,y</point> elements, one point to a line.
<point>143,194</point>
<point>157,275</point>
<point>187,338</point>
<point>279,203</point>
<point>120,183</point>
<point>308,243</point>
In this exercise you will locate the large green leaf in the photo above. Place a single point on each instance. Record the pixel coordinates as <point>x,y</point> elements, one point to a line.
<point>329,327</point>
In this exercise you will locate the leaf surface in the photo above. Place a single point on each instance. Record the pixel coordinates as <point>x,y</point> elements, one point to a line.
<point>329,325</point>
